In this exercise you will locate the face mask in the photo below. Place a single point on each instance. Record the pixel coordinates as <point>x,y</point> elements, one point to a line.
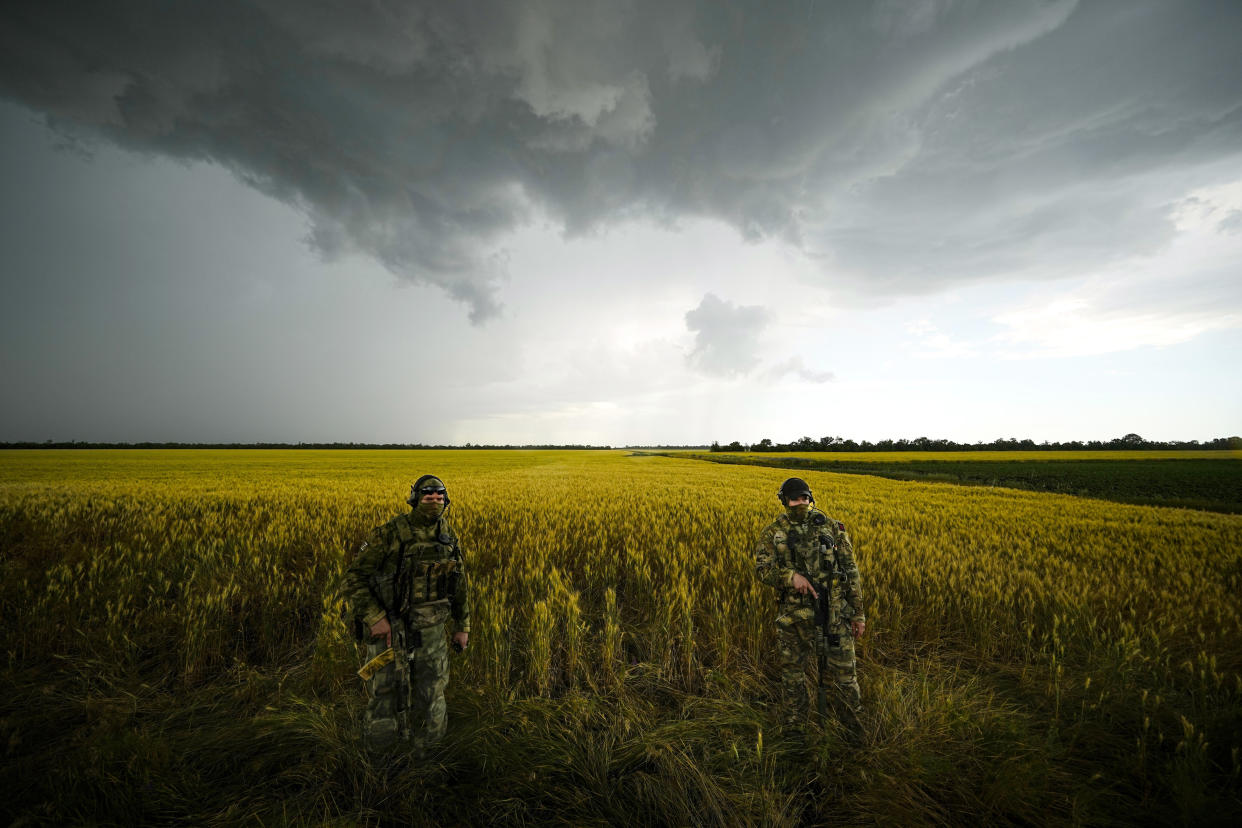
<point>431,511</point>
<point>800,512</point>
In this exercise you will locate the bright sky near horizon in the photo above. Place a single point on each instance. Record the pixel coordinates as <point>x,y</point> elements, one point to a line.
<point>622,223</point>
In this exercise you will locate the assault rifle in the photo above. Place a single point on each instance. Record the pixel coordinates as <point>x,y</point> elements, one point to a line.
<point>403,637</point>
<point>823,610</point>
<point>376,664</point>
<point>397,651</point>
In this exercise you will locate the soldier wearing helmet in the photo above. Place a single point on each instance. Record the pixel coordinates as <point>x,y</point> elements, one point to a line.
<point>407,581</point>
<point>802,554</point>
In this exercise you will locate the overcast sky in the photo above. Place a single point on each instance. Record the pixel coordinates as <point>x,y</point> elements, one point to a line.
<point>620,222</point>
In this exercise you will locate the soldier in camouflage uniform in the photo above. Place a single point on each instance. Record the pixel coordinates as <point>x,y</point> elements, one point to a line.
<point>406,582</point>
<point>800,553</point>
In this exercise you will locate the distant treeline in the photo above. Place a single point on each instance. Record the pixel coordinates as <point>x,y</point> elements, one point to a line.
<point>1130,442</point>
<point>77,444</point>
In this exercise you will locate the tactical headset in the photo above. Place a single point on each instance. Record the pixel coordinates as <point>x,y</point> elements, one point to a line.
<point>793,487</point>
<point>416,494</point>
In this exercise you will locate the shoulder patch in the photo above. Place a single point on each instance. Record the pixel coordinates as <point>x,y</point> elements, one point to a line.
<point>840,526</point>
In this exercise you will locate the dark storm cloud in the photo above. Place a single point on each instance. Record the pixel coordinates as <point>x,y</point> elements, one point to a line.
<point>1067,153</point>
<point>726,336</point>
<point>909,143</point>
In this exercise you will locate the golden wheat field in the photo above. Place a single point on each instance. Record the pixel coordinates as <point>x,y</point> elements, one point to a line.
<point>591,571</point>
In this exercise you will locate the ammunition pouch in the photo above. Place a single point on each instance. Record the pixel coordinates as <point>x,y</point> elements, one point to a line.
<point>426,581</point>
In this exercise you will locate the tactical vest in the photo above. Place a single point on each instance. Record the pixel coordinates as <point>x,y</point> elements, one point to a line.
<point>810,549</point>
<point>420,568</point>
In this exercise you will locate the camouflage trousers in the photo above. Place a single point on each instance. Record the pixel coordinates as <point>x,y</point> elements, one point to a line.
<point>407,696</point>
<point>809,658</point>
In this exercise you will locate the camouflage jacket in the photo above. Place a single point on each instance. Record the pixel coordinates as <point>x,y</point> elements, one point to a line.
<point>412,570</point>
<point>813,547</point>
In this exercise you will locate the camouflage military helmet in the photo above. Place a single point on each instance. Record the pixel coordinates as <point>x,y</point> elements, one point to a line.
<point>424,485</point>
<point>793,487</point>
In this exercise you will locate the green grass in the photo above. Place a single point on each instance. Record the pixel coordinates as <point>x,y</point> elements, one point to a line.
<point>273,746</point>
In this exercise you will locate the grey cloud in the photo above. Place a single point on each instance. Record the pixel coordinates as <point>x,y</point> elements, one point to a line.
<point>726,336</point>
<point>796,367</point>
<point>1061,155</point>
<point>915,143</point>
<point>1231,224</point>
<point>1211,291</point>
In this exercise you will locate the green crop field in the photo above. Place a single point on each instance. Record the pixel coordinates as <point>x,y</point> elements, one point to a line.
<point>174,651</point>
<point>1209,480</point>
